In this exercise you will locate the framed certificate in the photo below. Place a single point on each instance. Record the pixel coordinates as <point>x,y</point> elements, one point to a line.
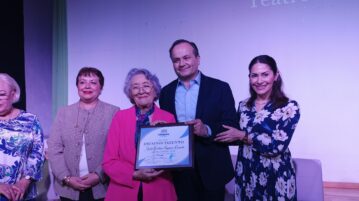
<point>165,146</point>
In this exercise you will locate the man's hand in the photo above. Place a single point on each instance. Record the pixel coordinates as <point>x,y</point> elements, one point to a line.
<point>199,128</point>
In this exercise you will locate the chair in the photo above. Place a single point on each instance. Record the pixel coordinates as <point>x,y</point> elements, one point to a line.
<point>309,179</point>
<point>308,176</point>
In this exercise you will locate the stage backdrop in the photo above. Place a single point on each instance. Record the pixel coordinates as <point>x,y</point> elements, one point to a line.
<point>314,41</point>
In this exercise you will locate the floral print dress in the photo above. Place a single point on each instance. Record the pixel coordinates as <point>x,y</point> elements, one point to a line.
<point>264,169</point>
<point>21,150</point>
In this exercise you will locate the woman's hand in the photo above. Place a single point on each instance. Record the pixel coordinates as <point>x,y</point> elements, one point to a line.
<point>20,187</point>
<point>146,174</point>
<point>7,191</point>
<point>77,183</point>
<point>91,179</point>
<point>230,135</point>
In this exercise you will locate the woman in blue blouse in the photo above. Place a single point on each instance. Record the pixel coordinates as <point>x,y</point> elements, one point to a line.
<point>21,145</point>
<point>264,168</point>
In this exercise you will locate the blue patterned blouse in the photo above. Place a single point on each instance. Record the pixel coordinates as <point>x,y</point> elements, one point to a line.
<point>21,150</point>
<point>264,169</point>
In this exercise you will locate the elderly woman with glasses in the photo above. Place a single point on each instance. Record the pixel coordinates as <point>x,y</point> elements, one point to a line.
<point>127,183</point>
<point>21,147</point>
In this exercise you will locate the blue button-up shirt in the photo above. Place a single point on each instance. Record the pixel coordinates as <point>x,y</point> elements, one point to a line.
<point>186,100</point>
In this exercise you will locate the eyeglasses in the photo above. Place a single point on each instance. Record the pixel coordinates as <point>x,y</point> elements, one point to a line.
<point>137,89</point>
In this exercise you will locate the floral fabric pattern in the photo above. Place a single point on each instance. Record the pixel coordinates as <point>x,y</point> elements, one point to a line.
<point>21,150</point>
<point>264,169</point>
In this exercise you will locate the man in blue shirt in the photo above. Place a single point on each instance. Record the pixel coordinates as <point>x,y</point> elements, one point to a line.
<point>207,104</point>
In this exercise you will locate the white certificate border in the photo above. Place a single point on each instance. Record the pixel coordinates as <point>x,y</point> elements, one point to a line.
<point>189,137</point>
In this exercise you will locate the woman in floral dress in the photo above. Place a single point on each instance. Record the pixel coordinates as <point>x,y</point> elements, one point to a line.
<point>264,168</point>
<point>21,145</point>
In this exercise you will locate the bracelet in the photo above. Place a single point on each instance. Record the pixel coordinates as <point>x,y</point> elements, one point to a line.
<point>66,180</point>
<point>245,138</point>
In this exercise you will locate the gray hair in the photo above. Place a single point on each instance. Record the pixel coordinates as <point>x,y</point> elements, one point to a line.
<point>12,84</point>
<point>151,77</point>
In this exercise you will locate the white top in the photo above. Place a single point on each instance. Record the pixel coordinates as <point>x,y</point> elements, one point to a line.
<point>83,167</point>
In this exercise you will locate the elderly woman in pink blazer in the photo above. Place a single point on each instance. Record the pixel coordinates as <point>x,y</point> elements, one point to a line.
<point>127,183</point>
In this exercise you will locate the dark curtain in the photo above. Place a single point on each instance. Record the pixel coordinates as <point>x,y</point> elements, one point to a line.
<point>12,44</point>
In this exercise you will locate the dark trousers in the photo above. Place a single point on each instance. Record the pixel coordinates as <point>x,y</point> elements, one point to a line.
<point>84,196</point>
<point>3,198</point>
<point>140,193</point>
<point>189,187</point>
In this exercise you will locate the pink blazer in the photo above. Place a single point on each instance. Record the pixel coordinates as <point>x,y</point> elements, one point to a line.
<point>119,160</point>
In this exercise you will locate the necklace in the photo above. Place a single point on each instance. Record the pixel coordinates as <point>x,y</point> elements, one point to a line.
<point>261,103</point>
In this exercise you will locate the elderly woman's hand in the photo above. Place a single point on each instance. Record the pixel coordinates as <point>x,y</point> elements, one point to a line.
<point>146,174</point>
<point>158,123</point>
<point>7,191</point>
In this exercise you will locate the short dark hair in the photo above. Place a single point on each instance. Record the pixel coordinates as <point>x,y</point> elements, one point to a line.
<point>277,97</point>
<point>87,71</point>
<point>179,41</point>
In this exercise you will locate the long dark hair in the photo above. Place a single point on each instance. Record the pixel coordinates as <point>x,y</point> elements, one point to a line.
<point>277,96</point>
